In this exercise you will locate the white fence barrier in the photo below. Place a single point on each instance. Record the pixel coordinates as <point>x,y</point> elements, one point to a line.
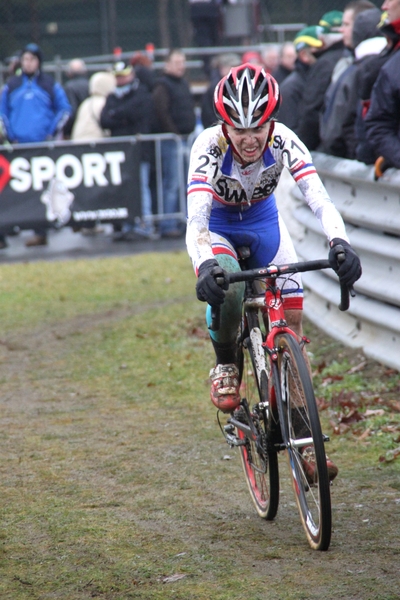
<point>371,211</point>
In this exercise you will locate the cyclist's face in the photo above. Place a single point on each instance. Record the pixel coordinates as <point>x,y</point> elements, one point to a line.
<point>249,143</point>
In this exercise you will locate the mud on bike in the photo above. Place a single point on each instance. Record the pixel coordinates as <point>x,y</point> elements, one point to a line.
<point>278,411</point>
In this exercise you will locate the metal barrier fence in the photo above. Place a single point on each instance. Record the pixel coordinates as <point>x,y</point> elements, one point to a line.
<point>371,211</point>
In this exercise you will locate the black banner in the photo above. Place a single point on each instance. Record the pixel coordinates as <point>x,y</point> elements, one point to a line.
<point>69,184</point>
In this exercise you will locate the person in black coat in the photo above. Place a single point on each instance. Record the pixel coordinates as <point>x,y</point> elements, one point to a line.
<point>292,88</point>
<point>77,90</point>
<point>129,111</point>
<point>287,59</point>
<point>319,78</point>
<point>337,122</point>
<point>383,117</point>
<point>223,63</point>
<point>174,110</point>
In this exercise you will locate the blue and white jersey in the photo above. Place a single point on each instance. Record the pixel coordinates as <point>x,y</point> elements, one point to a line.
<point>217,181</point>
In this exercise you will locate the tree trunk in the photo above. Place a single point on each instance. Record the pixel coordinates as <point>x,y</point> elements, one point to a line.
<point>163,23</point>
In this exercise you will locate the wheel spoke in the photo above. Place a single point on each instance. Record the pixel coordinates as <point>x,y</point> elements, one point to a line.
<point>260,464</point>
<point>301,429</point>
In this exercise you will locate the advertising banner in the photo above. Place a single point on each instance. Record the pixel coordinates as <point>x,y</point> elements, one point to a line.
<point>69,184</point>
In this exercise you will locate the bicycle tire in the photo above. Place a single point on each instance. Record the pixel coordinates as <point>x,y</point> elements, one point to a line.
<point>298,414</point>
<point>260,464</point>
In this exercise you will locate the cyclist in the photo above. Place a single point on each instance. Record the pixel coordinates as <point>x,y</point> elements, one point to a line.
<point>234,170</point>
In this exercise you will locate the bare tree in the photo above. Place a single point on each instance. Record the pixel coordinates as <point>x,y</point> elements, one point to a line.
<point>163,23</point>
<point>182,22</point>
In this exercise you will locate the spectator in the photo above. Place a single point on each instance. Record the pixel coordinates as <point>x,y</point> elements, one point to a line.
<point>351,10</point>
<point>77,90</point>
<point>318,78</point>
<point>270,58</point>
<point>252,57</point>
<point>287,58</point>
<point>383,118</point>
<point>13,64</point>
<point>205,16</point>
<point>87,123</point>
<point>128,111</point>
<point>306,43</point>
<point>365,151</point>
<point>223,63</point>
<point>174,111</point>
<point>337,123</point>
<point>33,108</point>
<point>143,69</point>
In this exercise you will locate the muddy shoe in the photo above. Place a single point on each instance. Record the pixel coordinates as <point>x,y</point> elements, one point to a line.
<point>36,240</point>
<point>310,467</point>
<point>224,391</point>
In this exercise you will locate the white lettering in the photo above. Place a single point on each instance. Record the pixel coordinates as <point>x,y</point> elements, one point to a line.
<point>91,170</point>
<point>101,214</point>
<point>94,166</point>
<point>21,179</point>
<point>115,159</point>
<point>69,160</point>
<point>42,169</point>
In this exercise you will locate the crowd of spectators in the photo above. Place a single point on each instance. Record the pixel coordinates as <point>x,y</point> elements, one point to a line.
<point>343,97</point>
<point>340,88</point>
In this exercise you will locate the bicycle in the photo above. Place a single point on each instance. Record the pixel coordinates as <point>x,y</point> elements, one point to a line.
<point>278,411</point>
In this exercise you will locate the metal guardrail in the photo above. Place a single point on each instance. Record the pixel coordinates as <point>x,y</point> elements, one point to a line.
<point>195,56</point>
<point>371,211</point>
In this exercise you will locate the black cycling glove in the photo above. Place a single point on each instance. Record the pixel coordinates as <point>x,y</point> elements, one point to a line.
<point>207,289</point>
<point>349,270</point>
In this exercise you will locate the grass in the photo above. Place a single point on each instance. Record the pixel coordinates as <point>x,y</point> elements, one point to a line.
<point>116,482</point>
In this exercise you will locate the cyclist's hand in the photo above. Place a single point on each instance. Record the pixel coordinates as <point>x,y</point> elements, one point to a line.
<point>349,269</point>
<point>207,288</point>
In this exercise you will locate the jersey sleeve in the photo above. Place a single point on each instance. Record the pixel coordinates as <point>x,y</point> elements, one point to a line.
<point>203,167</point>
<point>296,157</point>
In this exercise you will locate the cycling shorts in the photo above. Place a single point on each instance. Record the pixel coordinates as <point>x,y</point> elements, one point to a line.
<point>263,231</point>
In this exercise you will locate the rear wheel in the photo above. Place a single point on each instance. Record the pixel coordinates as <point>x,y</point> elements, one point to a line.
<point>259,459</point>
<point>301,429</point>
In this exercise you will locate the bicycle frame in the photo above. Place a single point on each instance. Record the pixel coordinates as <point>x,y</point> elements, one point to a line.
<point>278,410</point>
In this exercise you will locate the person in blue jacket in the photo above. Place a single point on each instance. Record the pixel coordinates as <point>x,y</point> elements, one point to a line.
<point>33,108</point>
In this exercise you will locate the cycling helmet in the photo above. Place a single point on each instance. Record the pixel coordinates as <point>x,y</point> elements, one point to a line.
<point>247,97</point>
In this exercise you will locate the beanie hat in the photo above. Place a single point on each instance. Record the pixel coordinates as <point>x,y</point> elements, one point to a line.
<point>122,68</point>
<point>35,50</point>
<point>366,26</point>
<point>331,21</point>
<point>308,37</point>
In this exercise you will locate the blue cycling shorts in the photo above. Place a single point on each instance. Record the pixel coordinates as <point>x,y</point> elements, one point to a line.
<point>261,229</point>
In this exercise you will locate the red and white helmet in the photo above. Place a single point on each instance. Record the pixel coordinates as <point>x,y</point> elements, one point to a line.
<point>247,97</point>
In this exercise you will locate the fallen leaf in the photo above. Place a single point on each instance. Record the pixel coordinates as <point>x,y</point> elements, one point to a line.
<point>357,368</point>
<point>353,416</point>
<point>366,433</point>
<point>173,578</point>
<point>390,455</point>
<point>378,412</point>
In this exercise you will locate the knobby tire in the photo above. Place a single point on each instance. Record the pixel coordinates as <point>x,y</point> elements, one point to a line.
<point>259,459</point>
<point>298,414</point>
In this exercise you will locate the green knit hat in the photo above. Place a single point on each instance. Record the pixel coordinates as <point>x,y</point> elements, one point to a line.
<point>308,37</point>
<point>331,21</point>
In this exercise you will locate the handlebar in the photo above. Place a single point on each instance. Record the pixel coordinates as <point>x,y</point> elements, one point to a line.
<point>274,271</point>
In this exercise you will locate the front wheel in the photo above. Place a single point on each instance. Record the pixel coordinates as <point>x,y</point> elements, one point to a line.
<point>301,431</point>
<point>259,458</point>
